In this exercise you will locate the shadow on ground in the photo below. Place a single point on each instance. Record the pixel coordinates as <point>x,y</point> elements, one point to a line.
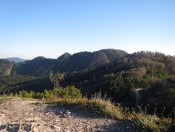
<point>121,126</point>
<point>78,112</point>
<point>15,127</point>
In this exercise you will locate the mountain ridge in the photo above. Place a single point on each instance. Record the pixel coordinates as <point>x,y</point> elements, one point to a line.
<point>68,63</point>
<point>15,59</point>
<point>152,72</point>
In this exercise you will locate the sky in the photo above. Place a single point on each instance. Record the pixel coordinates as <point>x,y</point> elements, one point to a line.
<point>31,28</point>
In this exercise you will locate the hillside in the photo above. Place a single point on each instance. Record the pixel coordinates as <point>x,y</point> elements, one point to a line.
<point>88,60</point>
<point>139,78</point>
<point>129,87</point>
<point>11,84</point>
<point>5,67</point>
<point>41,66</point>
<point>15,59</point>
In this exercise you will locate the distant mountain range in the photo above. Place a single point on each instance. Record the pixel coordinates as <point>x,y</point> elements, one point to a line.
<point>113,73</point>
<point>15,59</point>
<point>41,66</point>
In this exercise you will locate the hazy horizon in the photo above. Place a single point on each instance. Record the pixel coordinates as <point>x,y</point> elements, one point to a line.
<point>50,28</point>
<point>78,52</point>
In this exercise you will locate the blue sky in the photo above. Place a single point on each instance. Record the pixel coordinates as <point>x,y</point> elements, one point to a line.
<point>30,28</point>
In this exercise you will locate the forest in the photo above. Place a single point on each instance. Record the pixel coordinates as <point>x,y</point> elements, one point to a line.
<point>145,79</point>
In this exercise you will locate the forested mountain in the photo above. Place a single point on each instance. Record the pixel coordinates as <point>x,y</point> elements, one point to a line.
<point>5,67</point>
<point>139,78</point>
<point>15,83</point>
<point>15,59</point>
<point>88,60</point>
<point>145,78</point>
<point>41,66</point>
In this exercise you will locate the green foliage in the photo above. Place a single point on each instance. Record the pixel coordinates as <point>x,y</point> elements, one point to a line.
<point>157,74</point>
<point>38,95</point>
<point>56,78</point>
<point>26,94</point>
<point>56,91</point>
<point>47,93</point>
<point>67,92</point>
<point>9,84</point>
<point>164,99</point>
<point>70,92</point>
<point>153,72</point>
<point>151,122</point>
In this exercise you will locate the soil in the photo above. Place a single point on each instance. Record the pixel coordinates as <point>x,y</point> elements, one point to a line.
<point>21,115</point>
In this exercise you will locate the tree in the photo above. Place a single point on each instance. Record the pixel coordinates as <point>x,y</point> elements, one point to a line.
<point>56,78</point>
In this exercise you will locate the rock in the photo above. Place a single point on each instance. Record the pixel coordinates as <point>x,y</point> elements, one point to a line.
<point>56,128</point>
<point>44,118</point>
<point>65,114</point>
<point>2,114</point>
<point>68,113</point>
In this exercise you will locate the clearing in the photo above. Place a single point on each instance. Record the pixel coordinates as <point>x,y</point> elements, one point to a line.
<point>23,115</point>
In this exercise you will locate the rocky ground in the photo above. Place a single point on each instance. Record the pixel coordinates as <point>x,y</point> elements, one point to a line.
<point>20,115</point>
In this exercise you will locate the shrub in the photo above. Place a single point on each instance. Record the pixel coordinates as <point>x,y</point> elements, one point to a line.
<point>38,95</point>
<point>70,92</point>
<point>26,94</point>
<point>47,94</point>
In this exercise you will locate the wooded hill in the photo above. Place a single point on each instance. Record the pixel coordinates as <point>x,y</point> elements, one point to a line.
<point>153,73</point>
<point>41,66</point>
<point>120,77</point>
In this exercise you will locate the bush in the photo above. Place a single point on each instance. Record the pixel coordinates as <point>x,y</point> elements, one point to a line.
<point>47,94</point>
<point>67,92</point>
<point>38,95</point>
<point>70,92</point>
<point>26,94</point>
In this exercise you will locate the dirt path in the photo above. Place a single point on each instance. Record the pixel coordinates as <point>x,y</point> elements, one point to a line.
<point>19,115</point>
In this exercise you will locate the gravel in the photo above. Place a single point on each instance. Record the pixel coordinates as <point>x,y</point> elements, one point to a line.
<point>20,115</point>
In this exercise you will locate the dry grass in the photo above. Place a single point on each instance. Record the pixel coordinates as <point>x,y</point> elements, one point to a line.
<point>5,98</point>
<point>108,109</point>
<point>95,104</point>
<point>151,122</point>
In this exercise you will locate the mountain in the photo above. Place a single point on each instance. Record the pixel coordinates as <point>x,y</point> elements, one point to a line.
<point>89,60</point>
<point>142,65</point>
<point>41,66</point>
<point>64,57</point>
<point>5,67</point>
<point>138,78</point>
<point>142,78</point>
<point>38,66</point>
<point>15,59</point>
